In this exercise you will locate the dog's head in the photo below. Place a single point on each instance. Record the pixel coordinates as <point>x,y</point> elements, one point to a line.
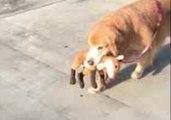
<point>102,41</point>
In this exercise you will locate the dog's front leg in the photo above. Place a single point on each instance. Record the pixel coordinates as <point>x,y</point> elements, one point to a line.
<point>137,73</point>
<point>143,63</point>
<point>147,59</point>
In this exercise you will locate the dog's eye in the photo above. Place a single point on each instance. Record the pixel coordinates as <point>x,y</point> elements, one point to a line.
<point>99,48</point>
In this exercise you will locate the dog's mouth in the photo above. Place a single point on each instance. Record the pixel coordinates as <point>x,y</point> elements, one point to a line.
<point>94,56</point>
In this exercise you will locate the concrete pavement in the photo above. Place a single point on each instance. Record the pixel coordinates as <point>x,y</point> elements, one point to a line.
<point>38,40</point>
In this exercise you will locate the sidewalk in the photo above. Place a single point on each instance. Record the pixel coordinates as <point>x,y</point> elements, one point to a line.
<point>38,40</point>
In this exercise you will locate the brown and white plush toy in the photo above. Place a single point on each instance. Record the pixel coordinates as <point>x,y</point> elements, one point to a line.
<point>108,67</point>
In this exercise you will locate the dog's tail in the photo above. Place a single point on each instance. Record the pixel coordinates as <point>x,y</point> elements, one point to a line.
<point>166,5</point>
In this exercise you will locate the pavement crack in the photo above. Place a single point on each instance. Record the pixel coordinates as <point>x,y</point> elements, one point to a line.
<point>115,100</point>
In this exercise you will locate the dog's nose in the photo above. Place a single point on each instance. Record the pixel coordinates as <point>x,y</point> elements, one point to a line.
<point>90,62</point>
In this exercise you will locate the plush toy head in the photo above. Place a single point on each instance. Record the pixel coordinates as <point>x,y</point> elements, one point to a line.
<point>111,65</point>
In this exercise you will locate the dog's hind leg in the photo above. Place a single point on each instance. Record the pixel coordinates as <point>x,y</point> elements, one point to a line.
<point>160,36</point>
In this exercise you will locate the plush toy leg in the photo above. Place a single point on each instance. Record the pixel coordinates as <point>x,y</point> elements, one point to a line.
<point>72,77</point>
<point>102,79</point>
<point>101,84</point>
<point>93,79</point>
<point>81,75</point>
<point>81,79</point>
<point>75,66</point>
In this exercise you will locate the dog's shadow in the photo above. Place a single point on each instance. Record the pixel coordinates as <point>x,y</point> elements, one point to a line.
<point>162,60</point>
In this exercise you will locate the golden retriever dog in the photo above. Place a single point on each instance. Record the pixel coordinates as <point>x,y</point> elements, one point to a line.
<point>135,31</point>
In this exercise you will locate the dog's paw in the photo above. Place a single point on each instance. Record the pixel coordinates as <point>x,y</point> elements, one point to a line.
<point>136,75</point>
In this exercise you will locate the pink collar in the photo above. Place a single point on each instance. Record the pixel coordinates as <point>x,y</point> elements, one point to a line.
<point>159,11</point>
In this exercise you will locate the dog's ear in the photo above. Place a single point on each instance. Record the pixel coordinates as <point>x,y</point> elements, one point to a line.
<point>112,45</point>
<point>120,57</point>
<point>113,50</point>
